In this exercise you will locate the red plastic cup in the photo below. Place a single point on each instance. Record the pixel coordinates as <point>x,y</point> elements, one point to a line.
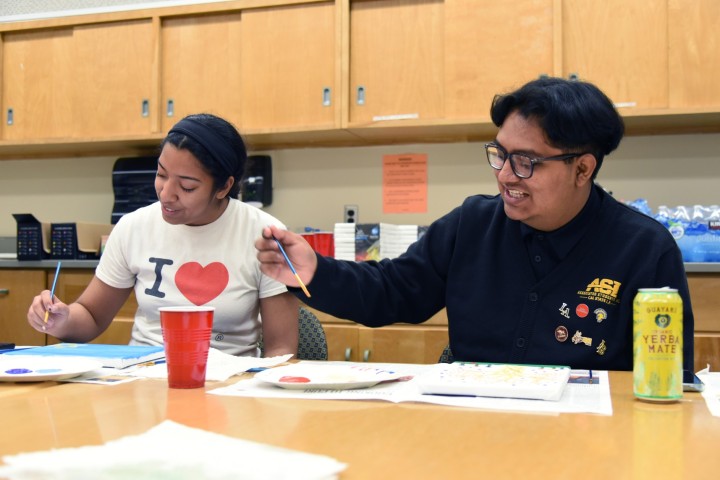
<point>186,334</point>
<point>325,243</point>
<point>310,238</point>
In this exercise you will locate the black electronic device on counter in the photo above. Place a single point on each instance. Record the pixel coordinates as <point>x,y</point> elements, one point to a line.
<point>133,180</point>
<point>256,184</point>
<point>33,237</point>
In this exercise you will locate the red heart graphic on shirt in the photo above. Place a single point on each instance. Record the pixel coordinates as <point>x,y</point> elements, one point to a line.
<point>201,284</point>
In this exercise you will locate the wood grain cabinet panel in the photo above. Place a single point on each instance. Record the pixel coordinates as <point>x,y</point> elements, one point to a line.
<point>17,290</point>
<point>620,46</point>
<point>81,82</point>
<point>289,65</point>
<point>201,67</point>
<point>694,53</point>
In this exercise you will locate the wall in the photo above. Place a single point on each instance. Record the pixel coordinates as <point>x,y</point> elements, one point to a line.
<point>312,185</point>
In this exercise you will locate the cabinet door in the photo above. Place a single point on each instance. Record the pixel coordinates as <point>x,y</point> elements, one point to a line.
<point>342,341</point>
<point>36,94</point>
<point>86,82</point>
<point>112,77</point>
<point>288,68</point>
<point>406,344</point>
<point>493,47</point>
<point>17,290</point>
<point>72,283</point>
<point>694,49</point>
<point>619,46</point>
<point>396,60</point>
<point>707,351</point>
<point>201,67</point>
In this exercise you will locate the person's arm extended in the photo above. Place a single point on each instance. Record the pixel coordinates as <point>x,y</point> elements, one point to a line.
<point>83,320</point>
<point>279,315</point>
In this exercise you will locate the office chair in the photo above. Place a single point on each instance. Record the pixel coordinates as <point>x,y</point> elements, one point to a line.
<point>312,344</point>
<point>446,356</point>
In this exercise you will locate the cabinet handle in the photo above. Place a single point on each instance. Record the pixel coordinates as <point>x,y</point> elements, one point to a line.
<point>360,98</point>
<point>574,77</point>
<point>170,107</point>
<point>326,97</point>
<point>10,116</point>
<point>348,352</point>
<point>145,107</point>
<point>4,291</point>
<point>366,355</point>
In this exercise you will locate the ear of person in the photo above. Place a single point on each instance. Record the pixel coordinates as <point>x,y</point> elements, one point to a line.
<point>585,167</point>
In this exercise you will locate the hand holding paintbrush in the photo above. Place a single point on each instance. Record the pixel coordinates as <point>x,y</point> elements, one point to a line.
<point>286,257</point>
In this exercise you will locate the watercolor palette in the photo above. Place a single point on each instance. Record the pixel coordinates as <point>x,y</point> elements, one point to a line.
<point>17,368</point>
<point>537,382</point>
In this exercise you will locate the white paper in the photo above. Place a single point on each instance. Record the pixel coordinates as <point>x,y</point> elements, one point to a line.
<point>220,367</point>
<point>711,394</point>
<point>171,451</point>
<point>576,398</point>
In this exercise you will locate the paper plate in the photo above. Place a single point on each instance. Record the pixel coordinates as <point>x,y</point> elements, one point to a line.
<point>328,377</point>
<point>17,368</point>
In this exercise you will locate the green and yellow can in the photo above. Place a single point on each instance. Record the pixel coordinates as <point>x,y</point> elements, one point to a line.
<point>657,345</point>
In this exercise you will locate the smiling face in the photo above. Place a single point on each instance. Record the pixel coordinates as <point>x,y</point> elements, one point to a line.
<point>186,190</point>
<point>557,190</point>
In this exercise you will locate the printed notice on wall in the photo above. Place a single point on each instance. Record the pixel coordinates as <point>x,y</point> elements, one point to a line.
<point>405,183</point>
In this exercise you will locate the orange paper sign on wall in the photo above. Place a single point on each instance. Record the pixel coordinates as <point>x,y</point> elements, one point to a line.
<point>405,183</point>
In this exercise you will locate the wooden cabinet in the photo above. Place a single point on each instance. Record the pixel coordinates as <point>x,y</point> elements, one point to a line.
<point>694,60</point>
<point>620,46</point>
<point>704,288</point>
<point>435,60</point>
<point>81,82</point>
<point>289,68</point>
<point>70,286</point>
<point>400,343</point>
<point>296,73</point>
<point>655,54</point>
<point>201,67</point>
<point>17,290</point>
<point>37,97</point>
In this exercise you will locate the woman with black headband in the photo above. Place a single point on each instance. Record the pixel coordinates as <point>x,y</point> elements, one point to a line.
<point>195,246</point>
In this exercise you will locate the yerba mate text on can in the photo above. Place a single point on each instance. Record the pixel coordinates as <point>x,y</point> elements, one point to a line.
<point>657,345</point>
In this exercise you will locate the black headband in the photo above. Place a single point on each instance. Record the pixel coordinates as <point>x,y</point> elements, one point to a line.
<point>216,145</point>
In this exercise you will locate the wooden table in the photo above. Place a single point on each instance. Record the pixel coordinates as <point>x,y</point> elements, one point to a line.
<point>383,440</point>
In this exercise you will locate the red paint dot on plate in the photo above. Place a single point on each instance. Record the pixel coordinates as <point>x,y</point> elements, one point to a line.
<point>290,379</point>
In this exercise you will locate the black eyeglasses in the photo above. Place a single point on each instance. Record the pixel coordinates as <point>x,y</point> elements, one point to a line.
<point>522,165</point>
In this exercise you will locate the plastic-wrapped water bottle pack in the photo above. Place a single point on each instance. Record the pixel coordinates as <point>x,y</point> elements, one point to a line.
<point>696,228</point>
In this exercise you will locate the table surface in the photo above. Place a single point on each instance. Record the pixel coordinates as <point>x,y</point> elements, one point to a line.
<point>384,440</point>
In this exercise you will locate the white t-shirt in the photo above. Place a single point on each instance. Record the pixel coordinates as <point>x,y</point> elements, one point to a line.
<point>214,265</point>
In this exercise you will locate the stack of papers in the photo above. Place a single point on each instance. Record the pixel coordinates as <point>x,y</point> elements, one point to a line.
<point>344,236</point>
<point>395,239</point>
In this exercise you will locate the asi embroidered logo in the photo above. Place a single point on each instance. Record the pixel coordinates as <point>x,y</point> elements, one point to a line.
<point>602,290</point>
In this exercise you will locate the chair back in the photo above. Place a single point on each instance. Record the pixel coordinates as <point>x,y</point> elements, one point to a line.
<point>312,344</point>
<point>446,356</point>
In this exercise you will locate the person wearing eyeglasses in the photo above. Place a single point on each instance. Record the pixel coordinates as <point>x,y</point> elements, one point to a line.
<point>544,272</point>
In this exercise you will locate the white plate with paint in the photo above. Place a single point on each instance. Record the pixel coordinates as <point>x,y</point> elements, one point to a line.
<point>17,368</point>
<point>302,376</point>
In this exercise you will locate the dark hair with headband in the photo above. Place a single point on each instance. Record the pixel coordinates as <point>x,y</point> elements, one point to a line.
<point>216,143</point>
